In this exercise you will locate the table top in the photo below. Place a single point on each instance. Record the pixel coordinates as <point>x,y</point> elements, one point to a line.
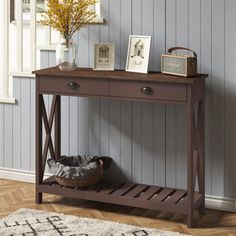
<point>118,75</point>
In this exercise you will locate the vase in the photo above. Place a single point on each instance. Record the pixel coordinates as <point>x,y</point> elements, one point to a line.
<point>66,54</point>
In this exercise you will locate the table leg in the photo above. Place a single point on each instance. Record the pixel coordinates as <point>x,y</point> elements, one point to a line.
<point>190,178</point>
<point>58,126</point>
<point>201,130</point>
<point>38,140</point>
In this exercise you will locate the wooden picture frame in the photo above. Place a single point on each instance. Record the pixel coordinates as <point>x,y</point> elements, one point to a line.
<point>104,56</point>
<point>138,54</point>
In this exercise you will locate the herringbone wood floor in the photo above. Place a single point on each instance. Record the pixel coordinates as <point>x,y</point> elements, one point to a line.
<point>15,195</point>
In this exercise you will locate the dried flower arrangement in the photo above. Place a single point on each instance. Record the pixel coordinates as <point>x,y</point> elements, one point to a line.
<point>68,16</point>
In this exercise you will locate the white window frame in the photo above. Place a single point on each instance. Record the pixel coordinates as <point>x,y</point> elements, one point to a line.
<point>5,79</point>
<point>20,22</point>
<point>6,93</point>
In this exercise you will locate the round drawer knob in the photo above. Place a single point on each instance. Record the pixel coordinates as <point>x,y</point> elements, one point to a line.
<point>146,90</point>
<point>73,85</point>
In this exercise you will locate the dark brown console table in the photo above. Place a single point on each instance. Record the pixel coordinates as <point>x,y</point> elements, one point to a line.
<point>124,85</point>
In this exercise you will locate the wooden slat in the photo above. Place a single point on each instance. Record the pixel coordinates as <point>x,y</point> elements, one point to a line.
<point>83,125</point>
<point>181,37</point>
<point>149,193</point>
<point>230,111</point>
<point>162,195</point>
<point>176,197</point>
<point>148,27</point>
<point>171,145</point>
<point>25,124</point>
<point>126,187</point>
<point>8,137</point>
<point>147,142</point>
<point>126,137</point>
<point>83,39</point>
<point>115,23</point>
<point>159,34</point>
<point>115,138</point>
<point>136,140</point>
<point>206,63</point>
<point>183,203</point>
<point>112,187</point>
<point>126,19</point>
<point>170,116</point>
<point>136,190</point>
<point>218,107</point>
<point>104,131</point>
<point>100,185</point>
<point>94,131</point>
<point>181,144</point>
<point>93,38</point>
<point>74,126</point>
<point>159,144</point>
<point>104,29</point>
<point>16,126</point>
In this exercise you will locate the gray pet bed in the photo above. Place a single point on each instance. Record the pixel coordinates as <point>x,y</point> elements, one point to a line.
<point>77,167</point>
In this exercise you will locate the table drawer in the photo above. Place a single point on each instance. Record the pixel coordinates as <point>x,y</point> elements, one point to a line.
<point>69,86</point>
<point>150,90</point>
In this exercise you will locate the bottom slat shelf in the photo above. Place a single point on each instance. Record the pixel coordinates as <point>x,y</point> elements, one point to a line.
<point>135,195</point>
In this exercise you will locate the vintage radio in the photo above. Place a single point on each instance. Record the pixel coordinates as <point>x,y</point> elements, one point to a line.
<point>178,64</point>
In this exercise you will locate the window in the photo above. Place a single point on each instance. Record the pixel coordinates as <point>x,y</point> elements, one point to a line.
<point>23,38</point>
<point>24,16</point>
<point>40,7</point>
<point>5,82</point>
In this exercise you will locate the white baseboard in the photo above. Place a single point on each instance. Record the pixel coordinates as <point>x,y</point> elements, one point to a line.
<point>19,175</point>
<point>212,202</point>
<point>221,203</point>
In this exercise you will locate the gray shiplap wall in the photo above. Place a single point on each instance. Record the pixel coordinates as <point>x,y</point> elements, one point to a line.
<point>146,140</point>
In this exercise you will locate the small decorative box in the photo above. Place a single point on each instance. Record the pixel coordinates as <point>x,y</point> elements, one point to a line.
<point>178,64</point>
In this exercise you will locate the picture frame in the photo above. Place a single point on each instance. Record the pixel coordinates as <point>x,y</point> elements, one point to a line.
<point>104,56</point>
<point>138,54</point>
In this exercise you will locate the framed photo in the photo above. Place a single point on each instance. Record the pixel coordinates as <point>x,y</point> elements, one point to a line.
<point>104,56</point>
<point>138,53</point>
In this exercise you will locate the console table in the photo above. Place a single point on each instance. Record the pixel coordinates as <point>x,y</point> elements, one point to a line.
<point>152,87</point>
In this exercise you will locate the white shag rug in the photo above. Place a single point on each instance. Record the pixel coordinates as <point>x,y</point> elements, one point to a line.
<point>29,222</point>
